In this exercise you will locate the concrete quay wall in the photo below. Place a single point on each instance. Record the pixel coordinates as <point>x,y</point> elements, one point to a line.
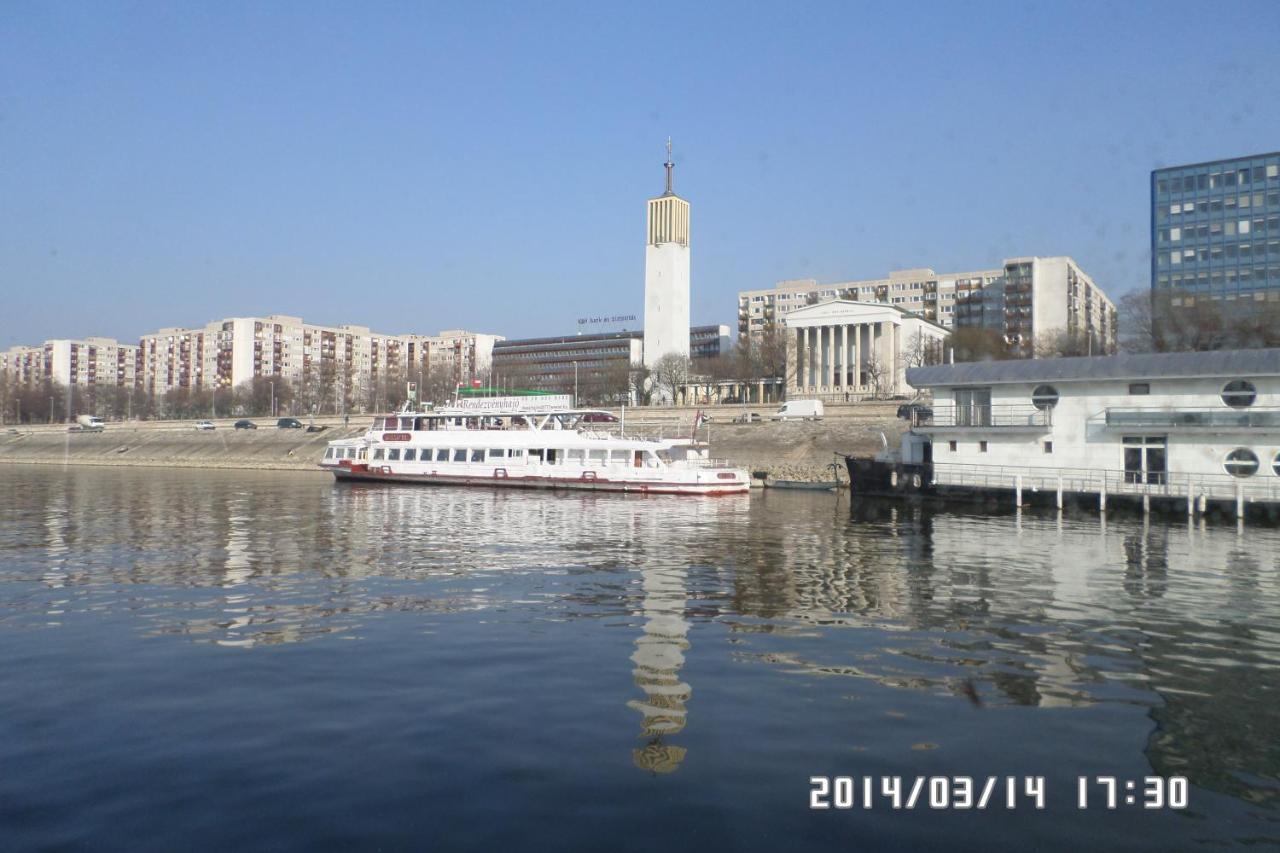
<point>794,450</point>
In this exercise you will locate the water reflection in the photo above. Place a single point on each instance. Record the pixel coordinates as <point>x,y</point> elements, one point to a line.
<point>1016,612</point>
<point>659,657</point>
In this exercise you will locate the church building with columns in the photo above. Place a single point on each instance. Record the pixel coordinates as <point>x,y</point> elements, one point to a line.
<point>858,349</point>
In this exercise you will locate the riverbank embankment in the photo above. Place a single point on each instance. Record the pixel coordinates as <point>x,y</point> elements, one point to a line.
<point>792,450</point>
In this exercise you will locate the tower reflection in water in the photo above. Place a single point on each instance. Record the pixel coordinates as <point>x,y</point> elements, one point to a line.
<point>659,657</point>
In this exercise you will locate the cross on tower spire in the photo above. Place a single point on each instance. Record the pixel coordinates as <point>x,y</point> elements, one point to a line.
<point>669,166</point>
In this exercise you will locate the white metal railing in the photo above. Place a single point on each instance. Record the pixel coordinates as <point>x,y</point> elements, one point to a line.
<point>1109,481</point>
<point>994,416</point>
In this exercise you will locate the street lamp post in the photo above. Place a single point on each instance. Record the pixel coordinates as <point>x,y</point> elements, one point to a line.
<point>575,384</point>
<point>273,396</point>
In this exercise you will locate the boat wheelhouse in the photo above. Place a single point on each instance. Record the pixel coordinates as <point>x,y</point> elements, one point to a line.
<point>530,447</point>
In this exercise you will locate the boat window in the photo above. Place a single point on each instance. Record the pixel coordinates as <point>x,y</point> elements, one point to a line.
<point>460,454</point>
<point>1241,462</point>
<point>554,456</point>
<point>377,454</point>
<point>393,455</point>
<point>496,453</point>
<point>1275,464</point>
<point>364,453</point>
<point>598,456</point>
<point>442,454</point>
<point>577,455</point>
<point>536,455</point>
<point>1044,397</point>
<point>328,454</point>
<point>1239,394</point>
<point>618,456</point>
<point>406,423</point>
<point>1139,388</point>
<point>477,454</point>
<point>410,454</point>
<point>515,453</point>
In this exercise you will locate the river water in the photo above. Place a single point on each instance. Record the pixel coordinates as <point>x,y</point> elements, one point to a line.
<point>241,660</point>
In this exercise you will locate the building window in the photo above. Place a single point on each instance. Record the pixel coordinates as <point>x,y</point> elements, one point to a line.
<point>1139,389</point>
<point>1239,394</point>
<point>982,447</point>
<point>1241,462</point>
<point>951,445</point>
<point>1048,447</point>
<point>1044,397</point>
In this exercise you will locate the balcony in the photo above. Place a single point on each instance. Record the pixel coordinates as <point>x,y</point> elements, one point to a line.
<point>1002,418</point>
<point>1190,420</point>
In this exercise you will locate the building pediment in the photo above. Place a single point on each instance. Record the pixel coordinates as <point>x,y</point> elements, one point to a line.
<point>842,311</point>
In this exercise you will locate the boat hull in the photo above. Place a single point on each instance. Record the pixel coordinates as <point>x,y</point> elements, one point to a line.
<point>591,484</point>
<point>876,478</point>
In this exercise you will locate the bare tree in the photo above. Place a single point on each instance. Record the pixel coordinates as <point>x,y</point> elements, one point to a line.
<point>1062,343</point>
<point>670,373</point>
<point>922,350</point>
<point>877,374</point>
<point>1137,333</point>
<point>978,343</point>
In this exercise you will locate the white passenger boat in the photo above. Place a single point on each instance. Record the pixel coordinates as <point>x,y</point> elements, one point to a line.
<point>530,447</point>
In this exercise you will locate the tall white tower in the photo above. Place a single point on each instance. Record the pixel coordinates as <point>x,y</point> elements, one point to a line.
<point>666,275</point>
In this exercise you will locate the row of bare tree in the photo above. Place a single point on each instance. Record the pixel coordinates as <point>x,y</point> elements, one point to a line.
<point>1165,322</point>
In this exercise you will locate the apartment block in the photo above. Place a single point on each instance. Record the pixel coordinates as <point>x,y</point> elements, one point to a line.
<point>228,353</point>
<point>1024,299</point>
<point>92,362</point>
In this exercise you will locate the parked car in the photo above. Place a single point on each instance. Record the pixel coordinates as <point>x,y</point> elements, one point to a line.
<point>316,428</point>
<point>748,418</point>
<point>205,425</point>
<point>288,423</point>
<point>915,412</point>
<point>246,424</point>
<point>599,418</point>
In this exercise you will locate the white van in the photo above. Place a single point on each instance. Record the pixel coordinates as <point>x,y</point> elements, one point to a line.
<point>89,423</point>
<point>799,410</point>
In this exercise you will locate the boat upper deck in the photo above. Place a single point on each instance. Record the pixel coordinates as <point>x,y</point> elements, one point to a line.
<point>467,419</point>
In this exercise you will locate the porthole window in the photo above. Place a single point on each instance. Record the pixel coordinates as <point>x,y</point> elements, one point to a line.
<point>1044,397</point>
<point>1239,393</point>
<point>1241,462</point>
<point>1275,464</point>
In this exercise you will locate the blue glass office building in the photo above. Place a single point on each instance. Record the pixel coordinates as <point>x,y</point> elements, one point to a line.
<point>1215,230</point>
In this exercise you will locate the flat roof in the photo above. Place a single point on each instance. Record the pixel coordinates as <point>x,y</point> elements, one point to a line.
<point>595,337</point>
<point>1215,162</point>
<point>1224,364</point>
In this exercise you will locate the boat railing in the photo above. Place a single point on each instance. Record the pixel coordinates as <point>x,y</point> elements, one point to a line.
<point>1109,481</point>
<point>699,462</point>
<point>944,415</point>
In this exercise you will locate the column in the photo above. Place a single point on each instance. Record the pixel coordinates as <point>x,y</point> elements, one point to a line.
<point>802,359</point>
<point>858,356</point>
<point>831,357</point>
<point>844,357</point>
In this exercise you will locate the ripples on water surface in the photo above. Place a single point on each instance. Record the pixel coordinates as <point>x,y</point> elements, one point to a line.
<point>217,659</point>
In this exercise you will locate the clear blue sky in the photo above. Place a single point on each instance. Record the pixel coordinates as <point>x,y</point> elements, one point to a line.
<point>418,167</point>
